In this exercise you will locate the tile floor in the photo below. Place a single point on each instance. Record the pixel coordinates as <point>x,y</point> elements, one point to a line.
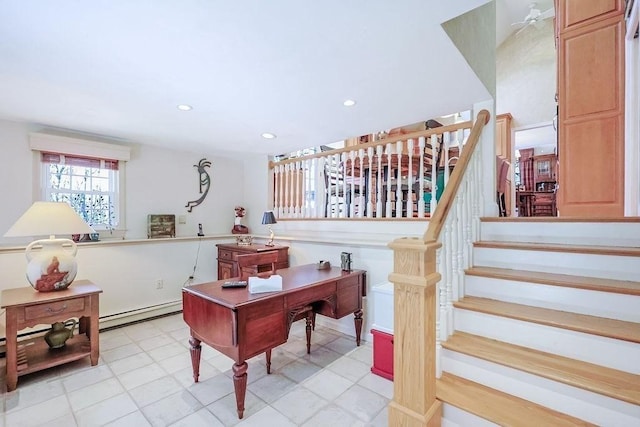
<point>144,378</point>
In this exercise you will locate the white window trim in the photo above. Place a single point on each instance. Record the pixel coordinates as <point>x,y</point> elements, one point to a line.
<point>39,142</point>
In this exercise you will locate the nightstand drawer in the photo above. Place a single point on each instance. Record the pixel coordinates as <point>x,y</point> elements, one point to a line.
<point>52,308</point>
<point>225,255</point>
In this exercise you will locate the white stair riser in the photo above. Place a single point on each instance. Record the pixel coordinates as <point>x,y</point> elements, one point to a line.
<point>456,417</point>
<point>574,233</point>
<point>612,353</point>
<point>579,403</point>
<point>602,266</point>
<point>594,303</point>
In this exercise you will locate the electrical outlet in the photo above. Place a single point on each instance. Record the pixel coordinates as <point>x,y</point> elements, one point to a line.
<point>159,283</point>
<point>182,219</point>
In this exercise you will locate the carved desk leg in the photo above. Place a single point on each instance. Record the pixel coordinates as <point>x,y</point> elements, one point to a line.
<point>267,355</point>
<point>309,320</point>
<point>195,349</point>
<point>357,320</point>
<point>240,385</point>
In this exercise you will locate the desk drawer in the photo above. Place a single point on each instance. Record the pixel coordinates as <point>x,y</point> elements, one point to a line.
<point>348,281</point>
<point>310,295</point>
<point>225,255</point>
<point>52,308</point>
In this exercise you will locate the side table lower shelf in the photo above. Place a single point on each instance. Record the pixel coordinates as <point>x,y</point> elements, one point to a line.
<point>34,354</point>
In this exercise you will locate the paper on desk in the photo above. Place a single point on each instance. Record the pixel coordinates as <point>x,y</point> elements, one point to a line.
<point>270,284</point>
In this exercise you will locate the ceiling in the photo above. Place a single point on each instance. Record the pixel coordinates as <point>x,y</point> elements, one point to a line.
<point>118,69</point>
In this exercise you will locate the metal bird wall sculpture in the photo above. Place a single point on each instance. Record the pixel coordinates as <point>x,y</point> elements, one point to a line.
<point>205,183</point>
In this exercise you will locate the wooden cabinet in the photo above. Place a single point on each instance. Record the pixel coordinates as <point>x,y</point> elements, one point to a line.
<point>505,149</point>
<point>228,257</point>
<point>544,172</point>
<point>591,107</point>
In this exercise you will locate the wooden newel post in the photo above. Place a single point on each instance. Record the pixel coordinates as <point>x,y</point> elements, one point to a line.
<point>414,389</point>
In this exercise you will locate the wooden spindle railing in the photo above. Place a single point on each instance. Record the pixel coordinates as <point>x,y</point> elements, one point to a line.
<point>427,276</point>
<point>395,177</point>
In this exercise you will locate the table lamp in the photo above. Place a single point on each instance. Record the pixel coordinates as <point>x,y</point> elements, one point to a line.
<point>269,218</point>
<point>53,267</point>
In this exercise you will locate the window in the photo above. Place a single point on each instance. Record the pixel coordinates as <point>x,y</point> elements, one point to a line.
<point>89,185</point>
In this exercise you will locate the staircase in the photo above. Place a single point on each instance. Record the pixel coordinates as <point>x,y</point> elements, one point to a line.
<point>548,332</point>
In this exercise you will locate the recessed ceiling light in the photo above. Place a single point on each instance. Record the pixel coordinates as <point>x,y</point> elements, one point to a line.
<point>268,135</point>
<point>349,103</point>
<point>185,107</point>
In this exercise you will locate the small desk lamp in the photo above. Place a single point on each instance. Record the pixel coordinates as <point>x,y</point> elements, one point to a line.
<point>54,266</point>
<point>269,218</point>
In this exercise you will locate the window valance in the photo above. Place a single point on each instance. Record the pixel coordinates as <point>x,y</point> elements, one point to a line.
<point>80,148</point>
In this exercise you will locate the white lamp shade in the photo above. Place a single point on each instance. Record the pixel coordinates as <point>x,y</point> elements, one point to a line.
<point>51,263</point>
<point>49,218</point>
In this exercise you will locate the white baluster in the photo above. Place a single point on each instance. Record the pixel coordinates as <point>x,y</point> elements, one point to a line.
<point>445,149</point>
<point>410,199</point>
<point>362,186</point>
<point>352,157</point>
<point>297,189</point>
<point>316,185</point>
<point>388,204</point>
<point>287,192</point>
<point>444,301</point>
<point>379,151</point>
<point>399,214</point>
<point>434,173</point>
<point>307,188</point>
<point>330,185</point>
<point>459,290</point>
<point>276,192</point>
<point>453,282</point>
<point>421,203</point>
<point>369,188</point>
<point>467,223</point>
<point>343,175</point>
<point>323,173</point>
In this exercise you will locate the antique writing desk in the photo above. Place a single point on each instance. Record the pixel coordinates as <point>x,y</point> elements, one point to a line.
<point>242,325</point>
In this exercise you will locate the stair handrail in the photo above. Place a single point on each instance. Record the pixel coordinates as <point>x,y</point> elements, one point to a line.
<point>427,278</point>
<point>448,196</point>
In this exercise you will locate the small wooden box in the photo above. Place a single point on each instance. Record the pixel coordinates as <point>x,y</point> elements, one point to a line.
<point>160,226</point>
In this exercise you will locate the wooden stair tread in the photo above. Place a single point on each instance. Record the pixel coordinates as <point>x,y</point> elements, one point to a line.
<point>579,282</point>
<point>560,219</point>
<point>557,247</point>
<point>598,379</point>
<point>499,407</point>
<point>611,328</point>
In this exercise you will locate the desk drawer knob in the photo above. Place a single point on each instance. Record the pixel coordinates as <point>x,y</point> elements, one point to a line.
<point>51,310</point>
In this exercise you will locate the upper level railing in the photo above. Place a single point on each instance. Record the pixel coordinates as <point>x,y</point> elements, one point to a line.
<point>397,177</point>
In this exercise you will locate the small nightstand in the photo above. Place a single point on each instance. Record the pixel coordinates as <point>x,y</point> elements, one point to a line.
<point>27,307</point>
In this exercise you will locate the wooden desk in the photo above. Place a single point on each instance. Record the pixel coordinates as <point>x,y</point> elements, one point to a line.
<point>242,325</point>
<point>27,307</point>
<point>228,257</point>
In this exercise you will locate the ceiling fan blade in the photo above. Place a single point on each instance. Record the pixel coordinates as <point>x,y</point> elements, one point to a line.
<point>521,30</point>
<point>549,13</point>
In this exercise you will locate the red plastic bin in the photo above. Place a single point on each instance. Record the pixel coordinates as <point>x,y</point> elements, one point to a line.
<point>382,354</point>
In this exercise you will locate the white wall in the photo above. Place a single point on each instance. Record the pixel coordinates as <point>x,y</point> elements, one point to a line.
<point>526,76</point>
<point>158,181</point>
<point>162,181</point>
